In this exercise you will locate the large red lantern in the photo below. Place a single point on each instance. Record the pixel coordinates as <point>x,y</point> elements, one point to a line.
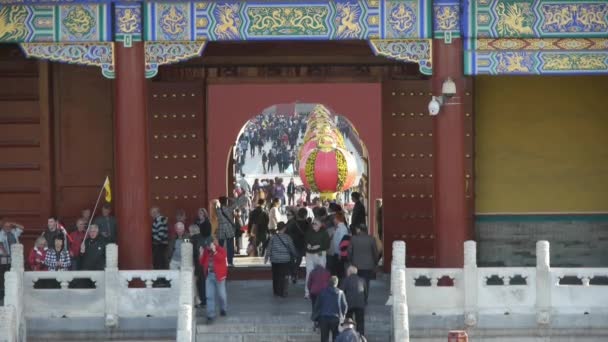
<point>328,170</point>
<point>326,140</point>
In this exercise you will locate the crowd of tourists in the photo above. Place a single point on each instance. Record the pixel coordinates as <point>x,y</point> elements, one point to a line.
<point>340,257</point>
<point>61,249</point>
<point>272,137</point>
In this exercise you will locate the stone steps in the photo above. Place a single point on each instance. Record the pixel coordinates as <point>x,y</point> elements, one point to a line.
<point>255,315</point>
<point>311,337</point>
<point>283,328</point>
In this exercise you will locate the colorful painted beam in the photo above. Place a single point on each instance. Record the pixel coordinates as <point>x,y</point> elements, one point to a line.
<point>446,19</point>
<point>320,20</point>
<point>499,35</point>
<point>79,21</point>
<point>535,19</point>
<point>102,54</point>
<point>552,56</point>
<point>418,51</point>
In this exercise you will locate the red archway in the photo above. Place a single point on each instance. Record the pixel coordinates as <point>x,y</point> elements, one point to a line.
<point>230,106</point>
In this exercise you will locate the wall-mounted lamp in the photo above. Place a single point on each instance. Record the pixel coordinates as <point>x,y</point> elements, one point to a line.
<point>448,89</point>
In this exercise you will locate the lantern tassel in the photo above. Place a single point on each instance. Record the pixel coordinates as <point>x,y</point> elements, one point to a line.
<point>329,196</point>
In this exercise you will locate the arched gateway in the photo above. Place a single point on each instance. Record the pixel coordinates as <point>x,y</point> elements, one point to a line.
<point>161,131</point>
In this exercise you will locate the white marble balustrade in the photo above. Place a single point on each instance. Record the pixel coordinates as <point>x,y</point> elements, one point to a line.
<point>427,297</point>
<point>584,298</point>
<point>153,301</point>
<point>532,295</point>
<point>43,303</point>
<point>110,298</point>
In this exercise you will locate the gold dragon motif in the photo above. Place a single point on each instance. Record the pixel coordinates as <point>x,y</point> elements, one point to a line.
<point>270,20</point>
<point>173,23</point>
<point>564,62</point>
<point>447,19</point>
<point>401,19</point>
<point>79,21</point>
<point>348,27</point>
<point>512,63</point>
<point>288,20</point>
<point>593,16</point>
<point>12,23</point>
<point>227,27</point>
<point>308,18</point>
<point>512,20</point>
<point>127,22</point>
<point>560,16</point>
<point>557,62</point>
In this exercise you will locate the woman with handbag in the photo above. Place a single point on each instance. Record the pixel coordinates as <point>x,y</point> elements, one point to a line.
<point>281,252</point>
<point>227,227</point>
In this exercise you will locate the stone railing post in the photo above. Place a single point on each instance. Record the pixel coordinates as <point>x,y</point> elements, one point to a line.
<point>8,326</point>
<point>112,285</point>
<point>187,261</point>
<point>17,261</point>
<point>543,283</point>
<point>401,328</point>
<point>397,263</point>
<point>13,287</point>
<point>470,283</point>
<point>186,331</point>
<point>13,297</point>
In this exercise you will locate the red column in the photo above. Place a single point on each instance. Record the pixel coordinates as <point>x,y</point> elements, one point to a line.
<point>131,147</point>
<point>450,204</point>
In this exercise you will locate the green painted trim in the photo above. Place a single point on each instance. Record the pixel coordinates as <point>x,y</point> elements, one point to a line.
<point>542,218</point>
<point>57,21</point>
<point>429,19</point>
<point>101,22</point>
<point>145,28</point>
<point>473,18</point>
<point>467,63</point>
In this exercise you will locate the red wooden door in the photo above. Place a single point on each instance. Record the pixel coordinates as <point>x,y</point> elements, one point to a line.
<point>407,185</point>
<point>408,168</point>
<point>177,143</point>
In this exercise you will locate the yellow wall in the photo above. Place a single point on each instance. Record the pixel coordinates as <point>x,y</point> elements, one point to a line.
<point>541,144</point>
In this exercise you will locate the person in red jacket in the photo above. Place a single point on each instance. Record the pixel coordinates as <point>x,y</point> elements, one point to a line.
<point>215,265</point>
<point>37,254</point>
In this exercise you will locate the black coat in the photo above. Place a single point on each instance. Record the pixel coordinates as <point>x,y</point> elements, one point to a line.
<point>94,256</point>
<point>204,226</point>
<point>297,231</point>
<point>198,241</point>
<point>358,216</point>
<point>260,218</point>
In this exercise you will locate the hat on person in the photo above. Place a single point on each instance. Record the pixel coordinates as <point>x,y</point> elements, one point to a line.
<point>348,321</point>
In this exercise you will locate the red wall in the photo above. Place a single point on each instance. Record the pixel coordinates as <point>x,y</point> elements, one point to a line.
<point>230,106</point>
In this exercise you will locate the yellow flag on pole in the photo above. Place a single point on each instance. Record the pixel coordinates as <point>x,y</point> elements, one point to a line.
<point>108,191</point>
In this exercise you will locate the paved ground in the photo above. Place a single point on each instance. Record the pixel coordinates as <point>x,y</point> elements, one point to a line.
<point>255,315</point>
<point>255,296</point>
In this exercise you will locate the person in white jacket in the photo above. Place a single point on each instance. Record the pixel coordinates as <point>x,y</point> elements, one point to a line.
<point>274,214</point>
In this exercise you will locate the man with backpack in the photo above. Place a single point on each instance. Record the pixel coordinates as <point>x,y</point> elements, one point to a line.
<point>349,334</point>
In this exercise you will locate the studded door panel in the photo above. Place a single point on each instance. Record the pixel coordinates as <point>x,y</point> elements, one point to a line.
<point>408,167</point>
<point>408,170</point>
<point>469,141</point>
<point>177,146</point>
